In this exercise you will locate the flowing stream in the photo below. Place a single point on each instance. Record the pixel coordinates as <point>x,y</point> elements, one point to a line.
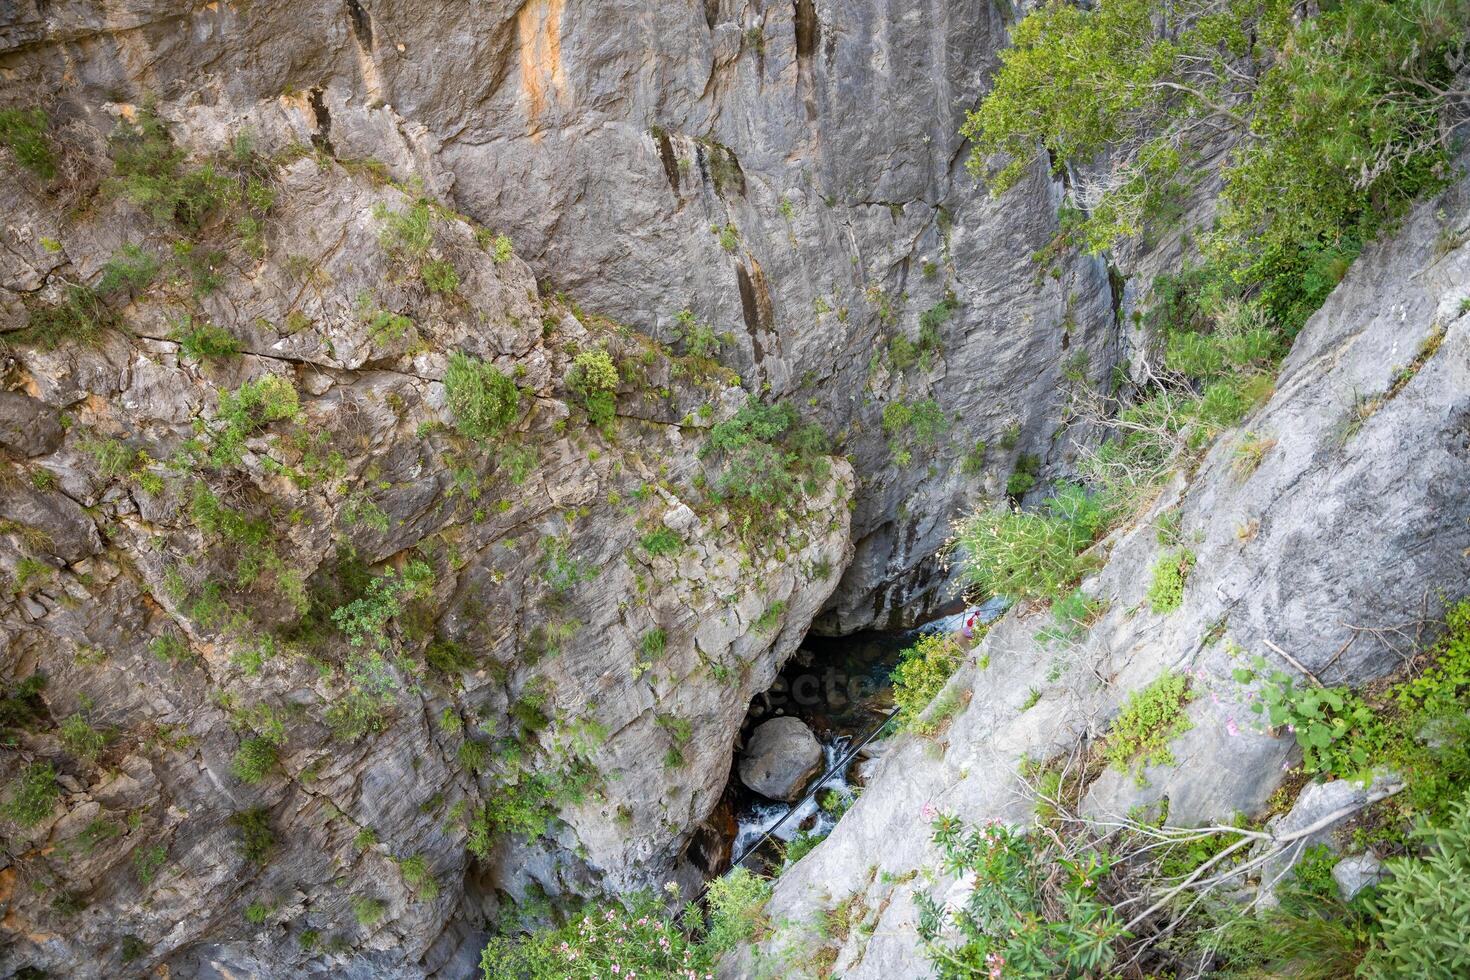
<point>841,688</point>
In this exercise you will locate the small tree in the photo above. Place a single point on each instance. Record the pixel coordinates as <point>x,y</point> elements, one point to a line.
<point>483,401</point>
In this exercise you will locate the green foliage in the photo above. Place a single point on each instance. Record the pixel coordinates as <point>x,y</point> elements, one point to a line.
<point>769,457</point>
<point>974,462</point>
<point>364,621</point>
<point>922,670</point>
<point>22,708</point>
<point>1032,554</point>
<point>245,411</point>
<point>204,341</point>
<point>151,173</point>
<point>700,340</point>
<point>504,249</point>
<point>79,316</point>
<point>1035,910</point>
<point>147,862</point>
<point>767,620</point>
<point>1152,717</point>
<point>32,795</point>
<point>917,423</point>
<point>81,739</point>
<point>661,541</point>
<point>418,876</point>
<point>1071,616</point>
<point>1323,718</point>
<point>129,269</point>
<point>737,910</point>
<point>439,276</point>
<point>483,401</point>
<point>594,379</point>
<point>408,234</point>
<point>1345,110</point>
<point>23,133</point>
<point>256,758</point>
<point>1422,908</point>
<point>605,940</point>
<point>653,644</point>
<point>257,841</point>
<point>1024,476</point>
<point>368,911</point>
<point>1166,587</point>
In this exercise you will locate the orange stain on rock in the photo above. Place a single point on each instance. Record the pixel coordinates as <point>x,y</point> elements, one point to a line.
<point>538,31</point>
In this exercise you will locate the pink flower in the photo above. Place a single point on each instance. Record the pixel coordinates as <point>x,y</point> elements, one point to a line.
<point>995,961</point>
<point>1231,727</point>
<point>927,811</point>
<point>616,968</point>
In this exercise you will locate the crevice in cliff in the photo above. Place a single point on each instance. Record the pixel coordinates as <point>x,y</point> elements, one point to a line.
<point>322,138</point>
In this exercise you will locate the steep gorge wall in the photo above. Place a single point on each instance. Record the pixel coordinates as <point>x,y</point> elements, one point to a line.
<point>792,173</point>
<point>1337,548</point>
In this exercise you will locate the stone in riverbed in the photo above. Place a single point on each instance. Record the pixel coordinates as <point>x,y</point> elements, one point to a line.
<point>781,756</point>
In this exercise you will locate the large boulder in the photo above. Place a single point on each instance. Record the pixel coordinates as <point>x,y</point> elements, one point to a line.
<point>782,756</point>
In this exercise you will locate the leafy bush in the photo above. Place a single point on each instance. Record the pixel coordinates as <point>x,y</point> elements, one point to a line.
<point>33,794</point>
<point>1152,717</point>
<point>368,911</point>
<point>418,876</point>
<point>769,457</point>
<point>23,133</point>
<point>204,341</point>
<point>1422,908</point>
<point>483,401</point>
<point>1166,588</point>
<point>606,940</point>
<point>257,840</point>
<point>661,541</point>
<point>594,379</point>
<point>151,173</point>
<point>1346,115</point>
<point>81,739</point>
<point>1025,554</point>
<point>737,910</point>
<point>1324,719</point>
<point>922,670</point>
<point>1034,911</point>
<point>439,276</point>
<point>255,759</point>
<point>248,409</point>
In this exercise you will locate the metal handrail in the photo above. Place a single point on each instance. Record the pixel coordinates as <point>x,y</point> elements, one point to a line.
<point>841,766</point>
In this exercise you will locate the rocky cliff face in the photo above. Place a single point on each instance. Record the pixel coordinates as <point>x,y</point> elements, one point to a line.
<point>791,173</point>
<point>173,572</point>
<point>1332,550</point>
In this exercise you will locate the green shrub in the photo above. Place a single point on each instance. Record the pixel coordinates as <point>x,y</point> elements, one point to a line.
<point>1151,718</point>
<point>418,876</point>
<point>594,379</point>
<point>504,249</point>
<point>1422,908</point>
<point>204,341</point>
<point>147,862</point>
<point>23,133</point>
<point>81,739</point>
<point>1344,131</point>
<point>368,911</point>
<point>1071,617</point>
<point>922,670</point>
<point>653,644</point>
<point>79,316</point>
<point>33,794</point>
<point>406,235</point>
<point>1166,587</point>
<point>1024,554</point>
<point>129,269</point>
<point>1024,476</point>
<point>439,276</point>
<point>661,541</point>
<point>256,758</point>
<point>737,910</point>
<point>606,940</point>
<point>1036,909</point>
<point>150,172</point>
<point>769,458</point>
<point>249,408</point>
<point>483,401</point>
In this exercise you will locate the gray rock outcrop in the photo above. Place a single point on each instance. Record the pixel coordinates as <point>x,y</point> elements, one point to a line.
<point>780,758</point>
<point>1354,516</point>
